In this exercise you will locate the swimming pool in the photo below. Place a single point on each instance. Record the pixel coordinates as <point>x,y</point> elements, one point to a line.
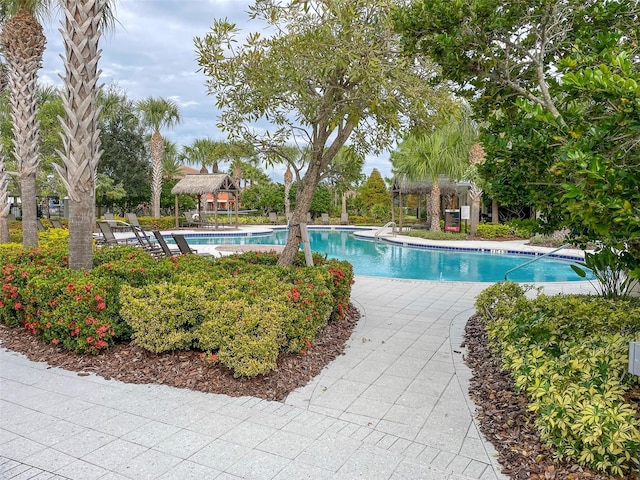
<point>385,259</point>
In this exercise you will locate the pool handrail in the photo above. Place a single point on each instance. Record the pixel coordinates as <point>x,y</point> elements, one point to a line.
<point>511,270</point>
<point>381,229</point>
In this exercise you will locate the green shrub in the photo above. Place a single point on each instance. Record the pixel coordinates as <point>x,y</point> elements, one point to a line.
<point>494,230</point>
<point>569,354</point>
<point>164,316</point>
<point>247,335</point>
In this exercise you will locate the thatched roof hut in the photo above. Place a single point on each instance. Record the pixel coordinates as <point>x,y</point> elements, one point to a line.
<point>403,186</point>
<point>203,183</point>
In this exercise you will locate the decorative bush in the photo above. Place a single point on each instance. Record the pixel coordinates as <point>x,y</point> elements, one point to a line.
<point>494,230</point>
<point>569,354</point>
<point>241,310</point>
<point>163,316</point>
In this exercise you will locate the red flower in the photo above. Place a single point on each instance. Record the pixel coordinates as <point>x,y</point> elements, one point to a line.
<point>71,287</point>
<point>24,274</point>
<point>89,339</point>
<point>101,306</point>
<point>17,305</point>
<point>55,341</point>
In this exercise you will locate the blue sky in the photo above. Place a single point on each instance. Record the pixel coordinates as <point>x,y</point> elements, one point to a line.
<point>151,53</point>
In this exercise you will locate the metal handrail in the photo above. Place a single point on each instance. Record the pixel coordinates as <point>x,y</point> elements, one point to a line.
<point>387,225</point>
<point>534,260</point>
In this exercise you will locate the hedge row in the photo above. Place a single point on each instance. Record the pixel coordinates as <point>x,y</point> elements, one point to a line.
<point>241,310</point>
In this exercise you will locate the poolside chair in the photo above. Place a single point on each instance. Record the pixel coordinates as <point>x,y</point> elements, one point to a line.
<point>145,243</point>
<point>108,238</point>
<point>168,251</point>
<point>184,246</point>
<point>324,218</point>
<point>56,223</point>
<point>192,221</point>
<point>41,227</point>
<point>273,218</point>
<point>133,220</point>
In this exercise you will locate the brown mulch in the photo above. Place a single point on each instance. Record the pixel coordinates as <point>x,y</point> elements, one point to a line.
<point>184,369</point>
<point>505,421</point>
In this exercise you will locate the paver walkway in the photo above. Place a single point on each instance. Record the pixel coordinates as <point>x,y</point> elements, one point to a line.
<point>394,406</point>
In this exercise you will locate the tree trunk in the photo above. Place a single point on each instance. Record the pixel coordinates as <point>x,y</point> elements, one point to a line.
<point>434,207</point>
<point>304,198</point>
<point>4,202</point>
<point>476,195</point>
<point>287,201</point>
<point>29,210</point>
<point>81,141</point>
<point>81,221</point>
<point>495,214</point>
<point>157,147</point>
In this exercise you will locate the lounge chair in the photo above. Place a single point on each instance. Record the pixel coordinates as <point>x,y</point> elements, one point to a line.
<point>192,221</point>
<point>145,243</point>
<point>273,218</point>
<point>56,223</point>
<point>184,246</point>
<point>324,218</point>
<point>41,227</point>
<point>133,220</point>
<point>168,251</point>
<point>108,238</point>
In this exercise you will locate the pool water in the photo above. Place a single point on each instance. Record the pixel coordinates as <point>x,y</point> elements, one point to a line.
<point>385,259</point>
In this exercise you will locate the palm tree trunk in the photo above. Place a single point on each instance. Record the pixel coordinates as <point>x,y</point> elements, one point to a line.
<point>495,212</point>
<point>23,41</point>
<point>157,148</point>
<point>475,193</point>
<point>4,202</point>
<point>434,206</point>
<point>29,210</point>
<point>81,221</point>
<point>82,143</point>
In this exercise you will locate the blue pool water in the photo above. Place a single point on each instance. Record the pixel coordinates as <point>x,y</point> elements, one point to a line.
<point>384,259</point>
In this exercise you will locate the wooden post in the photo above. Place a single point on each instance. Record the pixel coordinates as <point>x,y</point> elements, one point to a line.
<point>304,233</point>
<point>176,212</point>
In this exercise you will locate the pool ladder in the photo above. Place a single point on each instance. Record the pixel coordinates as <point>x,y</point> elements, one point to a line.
<point>534,260</point>
<point>381,230</point>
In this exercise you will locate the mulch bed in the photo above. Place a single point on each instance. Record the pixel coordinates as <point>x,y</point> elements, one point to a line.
<point>505,421</point>
<point>184,369</point>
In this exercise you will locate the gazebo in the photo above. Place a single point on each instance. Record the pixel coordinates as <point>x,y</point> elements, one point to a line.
<point>203,183</point>
<point>403,186</point>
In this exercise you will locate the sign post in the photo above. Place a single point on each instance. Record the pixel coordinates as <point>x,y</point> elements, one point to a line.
<point>465,214</point>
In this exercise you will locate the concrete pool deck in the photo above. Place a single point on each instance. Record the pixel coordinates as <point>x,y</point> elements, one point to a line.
<point>394,406</point>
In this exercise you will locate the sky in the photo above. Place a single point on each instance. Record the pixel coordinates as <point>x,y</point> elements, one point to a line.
<point>151,53</point>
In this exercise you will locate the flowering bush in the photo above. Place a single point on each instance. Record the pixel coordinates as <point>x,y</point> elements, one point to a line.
<point>240,310</point>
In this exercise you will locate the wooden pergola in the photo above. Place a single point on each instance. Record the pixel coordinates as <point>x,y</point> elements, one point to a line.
<point>204,183</point>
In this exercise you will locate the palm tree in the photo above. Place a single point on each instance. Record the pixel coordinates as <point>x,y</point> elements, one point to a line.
<point>443,151</point>
<point>206,152</point>
<point>22,40</point>
<point>476,157</point>
<point>4,175</point>
<point>157,113</point>
<point>171,161</point>
<point>82,25</point>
